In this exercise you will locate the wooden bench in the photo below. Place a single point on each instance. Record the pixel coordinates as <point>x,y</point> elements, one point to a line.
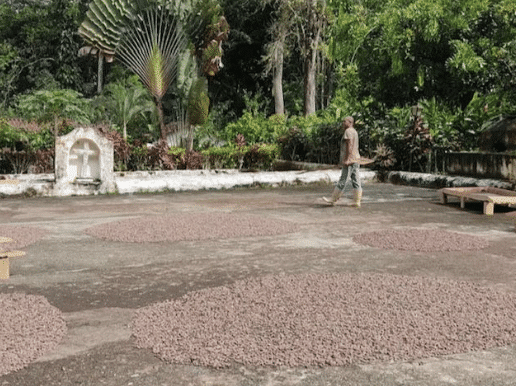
<point>9,182</point>
<point>488,195</point>
<point>512,216</point>
<point>4,258</point>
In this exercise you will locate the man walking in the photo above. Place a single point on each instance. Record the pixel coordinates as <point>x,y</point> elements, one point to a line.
<point>350,158</point>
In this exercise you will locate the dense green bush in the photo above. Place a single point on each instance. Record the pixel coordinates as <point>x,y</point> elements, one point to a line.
<point>224,157</point>
<point>256,128</point>
<point>295,145</point>
<point>177,152</point>
<point>320,144</point>
<point>261,156</point>
<point>387,133</point>
<point>10,138</point>
<point>156,157</point>
<point>138,159</point>
<point>122,149</point>
<point>25,146</point>
<point>54,106</point>
<point>325,141</point>
<point>127,104</point>
<point>22,135</point>
<point>23,149</point>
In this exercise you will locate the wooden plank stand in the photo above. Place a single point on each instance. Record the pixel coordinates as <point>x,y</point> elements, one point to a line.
<point>488,195</point>
<point>4,267</point>
<point>4,258</point>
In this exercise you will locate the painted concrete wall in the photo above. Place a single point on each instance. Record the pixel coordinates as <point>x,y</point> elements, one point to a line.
<point>481,165</point>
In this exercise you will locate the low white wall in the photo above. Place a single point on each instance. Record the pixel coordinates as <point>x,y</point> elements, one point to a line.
<point>177,180</point>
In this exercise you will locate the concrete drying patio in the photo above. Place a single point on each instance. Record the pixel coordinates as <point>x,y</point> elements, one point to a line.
<point>98,284</point>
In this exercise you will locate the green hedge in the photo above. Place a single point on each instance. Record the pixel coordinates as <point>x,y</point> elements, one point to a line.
<point>256,128</point>
<point>17,134</point>
<point>225,157</point>
<point>257,156</point>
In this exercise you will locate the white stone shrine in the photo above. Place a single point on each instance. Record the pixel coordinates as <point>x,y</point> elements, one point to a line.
<point>84,163</point>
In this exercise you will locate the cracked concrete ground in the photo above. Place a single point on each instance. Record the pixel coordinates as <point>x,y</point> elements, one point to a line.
<point>98,284</point>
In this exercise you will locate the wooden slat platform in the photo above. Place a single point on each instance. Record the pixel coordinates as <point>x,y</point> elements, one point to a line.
<point>488,195</point>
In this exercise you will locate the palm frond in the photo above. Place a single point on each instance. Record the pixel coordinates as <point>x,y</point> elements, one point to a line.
<point>104,23</point>
<point>150,46</point>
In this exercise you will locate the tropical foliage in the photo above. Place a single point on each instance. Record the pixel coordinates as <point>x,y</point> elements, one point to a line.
<point>54,106</point>
<point>38,48</point>
<point>149,37</point>
<point>124,102</point>
<point>424,48</point>
<point>373,60</point>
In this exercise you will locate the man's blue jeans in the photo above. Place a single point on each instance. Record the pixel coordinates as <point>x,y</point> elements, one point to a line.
<point>353,172</point>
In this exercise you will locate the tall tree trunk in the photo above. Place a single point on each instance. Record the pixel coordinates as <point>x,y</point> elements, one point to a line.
<point>277,80</point>
<point>321,65</point>
<point>311,42</point>
<point>161,117</point>
<point>310,84</point>
<point>189,143</point>
<point>100,73</point>
<point>277,88</point>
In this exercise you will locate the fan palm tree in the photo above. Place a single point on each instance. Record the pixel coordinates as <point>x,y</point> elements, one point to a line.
<point>102,29</point>
<point>145,37</point>
<point>151,46</point>
<point>149,36</point>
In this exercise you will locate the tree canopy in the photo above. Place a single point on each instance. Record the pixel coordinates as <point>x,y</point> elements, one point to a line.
<point>451,54</point>
<point>419,49</point>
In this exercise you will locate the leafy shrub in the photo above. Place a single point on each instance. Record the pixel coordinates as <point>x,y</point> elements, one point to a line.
<point>261,156</point>
<point>26,161</point>
<point>159,157</point>
<point>177,153</point>
<point>22,135</point>
<point>256,128</point>
<point>325,144</point>
<point>44,161</point>
<point>18,161</point>
<point>225,157</point>
<point>155,157</point>
<point>309,123</point>
<point>5,165</point>
<point>192,160</point>
<point>295,145</point>
<point>385,158</point>
<point>127,105</point>
<point>53,106</point>
<point>25,147</point>
<point>10,138</point>
<point>139,158</point>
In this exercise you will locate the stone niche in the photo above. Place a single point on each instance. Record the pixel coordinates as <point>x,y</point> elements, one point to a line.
<point>84,163</point>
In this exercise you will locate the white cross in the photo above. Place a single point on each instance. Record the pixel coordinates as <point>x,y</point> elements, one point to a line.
<point>85,154</point>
